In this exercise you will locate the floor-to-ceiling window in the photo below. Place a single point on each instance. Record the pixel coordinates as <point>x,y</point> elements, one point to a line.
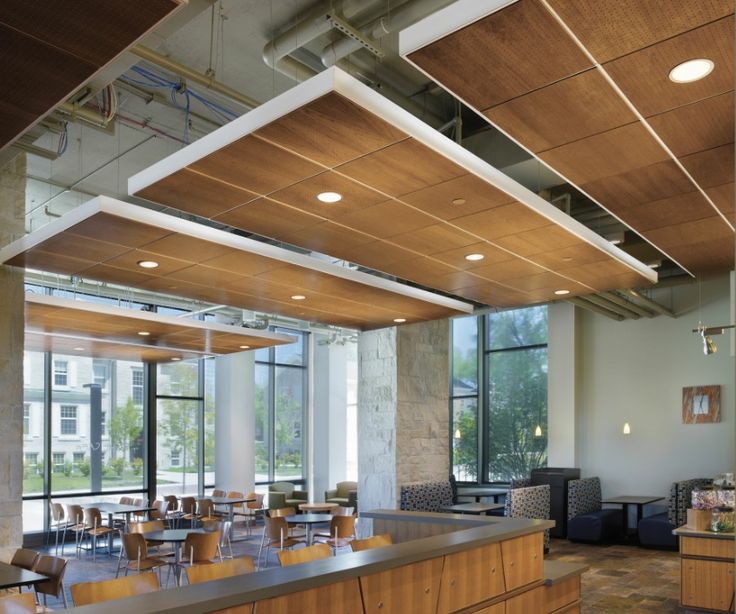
<point>499,420</point>
<point>281,385</point>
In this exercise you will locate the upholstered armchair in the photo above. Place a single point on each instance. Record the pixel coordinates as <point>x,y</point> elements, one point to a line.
<point>345,494</point>
<point>285,494</point>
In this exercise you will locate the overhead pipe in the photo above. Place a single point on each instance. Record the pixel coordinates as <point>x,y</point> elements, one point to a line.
<point>651,304</point>
<point>611,306</point>
<point>203,79</point>
<point>85,114</point>
<point>580,302</point>
<point>619,300</point>
<point>398,19</point>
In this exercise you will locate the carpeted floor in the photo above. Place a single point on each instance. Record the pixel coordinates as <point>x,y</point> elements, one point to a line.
<point>620,578</point>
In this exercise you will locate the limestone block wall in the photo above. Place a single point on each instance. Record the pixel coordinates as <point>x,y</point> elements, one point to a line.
<point>12,209</point>
<point>403,417</point>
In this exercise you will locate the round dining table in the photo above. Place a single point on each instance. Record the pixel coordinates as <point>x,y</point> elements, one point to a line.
<point>308,520</point>
<point>176,537</point>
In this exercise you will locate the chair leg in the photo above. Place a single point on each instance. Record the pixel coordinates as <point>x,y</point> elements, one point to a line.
<point>63,595</point>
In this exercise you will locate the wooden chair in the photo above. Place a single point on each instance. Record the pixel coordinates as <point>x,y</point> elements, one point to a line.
<point>94,528</point>
<point>377,541</point>
<point>75,524</point>
<point>25,558</point>
<point>218,493</point>
<point>276,534</point>
<point>201,548</point>
<point>304,555</point>
<point>86,593</point>
<point>234,567</point>
<point>189,509</point>
<point>135,550</point>
<point>58,523</point>
<point>54,568</point>
<point>205,509</point>
<point>25,603</point>
<point>252,510</point>
<point>342,532</point>
<point>148,526</point>
<point>174,513</point>
<point>224,527</point>
<point>342,510</point>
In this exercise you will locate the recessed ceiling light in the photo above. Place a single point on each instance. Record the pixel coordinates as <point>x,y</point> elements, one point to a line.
<point>79,349</point>
<point>143,333</point>
<point>244,347</point>
<point>692,70</point>
<point>147,264</point>
<point>474,257</point>
<point>562,292</point>
<point>458,201</point>
<point>399,320</point>
<point>297,297</point>
<point>329,197</point>
<point>175,359</point>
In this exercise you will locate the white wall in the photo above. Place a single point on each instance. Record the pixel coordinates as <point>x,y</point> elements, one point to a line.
<point>634,371</point>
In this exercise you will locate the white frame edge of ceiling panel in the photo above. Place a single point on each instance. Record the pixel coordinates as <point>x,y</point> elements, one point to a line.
<point>340,82</point>
<point>112,206</point>
<point>182,321</point>
<point>447,20</point>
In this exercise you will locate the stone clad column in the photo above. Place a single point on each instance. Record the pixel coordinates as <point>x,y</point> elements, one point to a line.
<point>12,208</point>
<point>403,415</point>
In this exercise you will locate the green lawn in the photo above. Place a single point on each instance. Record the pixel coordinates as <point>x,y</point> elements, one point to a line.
<point>60,482</point>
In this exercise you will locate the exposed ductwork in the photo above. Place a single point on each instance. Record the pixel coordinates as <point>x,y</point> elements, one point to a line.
<point>617,307</point>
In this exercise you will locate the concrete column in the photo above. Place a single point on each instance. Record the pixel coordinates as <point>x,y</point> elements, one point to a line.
<point>12,208</point>
<point>403,416</point>
<point>235,422</point>
<point>330,415</point>
<point>561,396</point>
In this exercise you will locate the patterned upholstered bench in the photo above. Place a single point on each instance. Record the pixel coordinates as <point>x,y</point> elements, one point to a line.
<point>425,496</point>
<point>587,520</point>
<point>656,531</point>
<point>529,502</point>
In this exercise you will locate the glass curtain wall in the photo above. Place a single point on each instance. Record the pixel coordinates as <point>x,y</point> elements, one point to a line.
<point>281,397</point>
<point>499,428</point>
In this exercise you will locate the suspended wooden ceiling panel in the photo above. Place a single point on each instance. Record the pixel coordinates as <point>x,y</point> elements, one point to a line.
<point>51,49</point>
<point>106,239</point>
<point>584,86</point>
<point>414,204</point>
<point>92,329</point>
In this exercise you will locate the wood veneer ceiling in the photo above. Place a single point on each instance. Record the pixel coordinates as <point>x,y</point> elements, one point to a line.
<point>102,331</point>
<point>583,85</point>
<point>51,49</point>
<point>398,179</point>
<point>105,239</point>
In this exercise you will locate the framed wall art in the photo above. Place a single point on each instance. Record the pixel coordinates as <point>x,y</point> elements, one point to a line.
<point>701,404</point>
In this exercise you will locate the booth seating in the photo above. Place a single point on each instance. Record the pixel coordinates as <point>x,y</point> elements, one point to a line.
<point>656,531</point>
<point>344,494</point>
<point>425,496</point>
<point>529,502</point>
<point>285,494</point>
<point>587,521</point>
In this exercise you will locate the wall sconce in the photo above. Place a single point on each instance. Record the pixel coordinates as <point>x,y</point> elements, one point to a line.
<point>627,429</point>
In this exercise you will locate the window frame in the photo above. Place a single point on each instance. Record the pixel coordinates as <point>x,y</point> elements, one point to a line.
<point>61,373</point>
<point>65,420</point>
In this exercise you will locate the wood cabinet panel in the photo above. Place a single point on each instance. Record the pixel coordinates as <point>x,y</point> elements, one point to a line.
<point>714,548</point>
<point>531,602</point>
<point>522,560</point>
<point>559,595</point>
<point>411,588</point>
<point>707,584</point>
<point>470,577</point>
<point>497,608</point>
<point>338,598</point>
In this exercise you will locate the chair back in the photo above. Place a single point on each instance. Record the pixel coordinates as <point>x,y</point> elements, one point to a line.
<point>257,504</point>
<point>234,567</point>
<point>57,512</point>
<point>126,500</point>
<point>276,528</point>
<point>188,505</point>
<point>210,525</point>
<point>201,547</point>
<point>583,496</point>
<point>134,546</point>
<point>282,511</point>
<point>172,501</point>
<point>75,514</point>
<point>205,508</point>
<point>52,567</point>
<point>147,526</point>
<point>377,541</point>
<point>680,498</point>
<point>304,555</point>
<point>425,496</point>
<point>92,517</point>
<point>344,488</point>
<point>86,593</point>
<point>342,526</point>
<point>18,604</point>
<point>342,510</point>
<point>285,487</point>
<point>218,493</point>
<point>24,558</point>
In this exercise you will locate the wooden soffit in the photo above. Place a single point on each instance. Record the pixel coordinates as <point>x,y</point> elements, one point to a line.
<point>51,49</point>
<point>414,203</point>
<point>103,331</point>
<point>584,87</point>
<point>106,239</point>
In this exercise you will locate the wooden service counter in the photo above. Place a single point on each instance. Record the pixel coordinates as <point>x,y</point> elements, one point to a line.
<point>706,570</point>
<point>485,565</point>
